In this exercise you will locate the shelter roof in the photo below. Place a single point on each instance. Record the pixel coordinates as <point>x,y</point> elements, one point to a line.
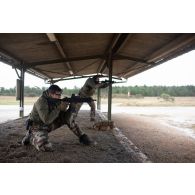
<point>70,55</point>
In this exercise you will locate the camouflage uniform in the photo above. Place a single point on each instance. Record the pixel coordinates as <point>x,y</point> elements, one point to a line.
<point>46,117</point>
<point>88,90</point>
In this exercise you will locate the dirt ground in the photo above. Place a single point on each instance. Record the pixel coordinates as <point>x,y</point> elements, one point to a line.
<point>66,145</point>
<point>158,142</point>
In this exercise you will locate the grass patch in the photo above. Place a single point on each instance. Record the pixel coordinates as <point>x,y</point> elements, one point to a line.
<point>147,101</point>
<point>152,101</point>
<point>11,100</point>
<point>193,127</point>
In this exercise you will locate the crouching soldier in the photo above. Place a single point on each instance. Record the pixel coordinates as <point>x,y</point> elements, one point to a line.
<point>48,115</point>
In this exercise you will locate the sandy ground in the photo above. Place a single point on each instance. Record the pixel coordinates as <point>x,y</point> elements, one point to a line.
<point>158,142</point>
<point>66,145</point>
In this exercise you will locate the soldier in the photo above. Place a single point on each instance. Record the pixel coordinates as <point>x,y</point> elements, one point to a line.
<point>47,116</point>
<point>88,90</point>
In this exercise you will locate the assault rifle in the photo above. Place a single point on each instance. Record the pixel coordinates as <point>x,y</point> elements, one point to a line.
<point>110,82</point>
<point>77,99</point>
<point>73,99</point>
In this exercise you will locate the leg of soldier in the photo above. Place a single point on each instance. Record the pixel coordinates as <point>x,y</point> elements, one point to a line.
<point>68,119</point>
<point>83,138</point>
<point>39,139</point>
<point>92,113</point>
<point>77,108</point>
<point>26,139</point>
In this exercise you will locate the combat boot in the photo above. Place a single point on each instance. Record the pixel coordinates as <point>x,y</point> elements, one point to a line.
<point>26,139</point>
<point>84,139</point>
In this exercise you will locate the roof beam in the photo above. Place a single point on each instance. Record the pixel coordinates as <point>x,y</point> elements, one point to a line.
<point>38,74</point>
<point>56,61</point>
<point>122,57</point>
<point>117,43</point>
<point>108,49</point>
<point>79,77</point>
<point>9,59</point>
<point>53,38</point>
<point>163,53</point>
<point>177,43</point>
<point>137,70</point>
<point>88,65</point>
<point>120,43</point>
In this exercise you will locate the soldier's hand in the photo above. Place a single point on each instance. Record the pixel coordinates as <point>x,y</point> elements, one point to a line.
<point>84,139</point>
<point>63,106</point>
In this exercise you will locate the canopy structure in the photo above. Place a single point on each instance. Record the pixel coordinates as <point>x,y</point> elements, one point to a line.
<point>59,56</point>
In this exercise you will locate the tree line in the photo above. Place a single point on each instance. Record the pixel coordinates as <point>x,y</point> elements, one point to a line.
<point>154,91</point>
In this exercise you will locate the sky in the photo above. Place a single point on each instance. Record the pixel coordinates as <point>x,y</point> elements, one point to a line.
<point>178,71</point>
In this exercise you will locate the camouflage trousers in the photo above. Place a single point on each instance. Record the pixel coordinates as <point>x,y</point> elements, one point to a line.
<point>92,112</point>
<point>38,135</point>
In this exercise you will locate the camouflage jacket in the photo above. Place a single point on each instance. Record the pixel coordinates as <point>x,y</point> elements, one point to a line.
<point>43,113</point>
<point>88,89</point>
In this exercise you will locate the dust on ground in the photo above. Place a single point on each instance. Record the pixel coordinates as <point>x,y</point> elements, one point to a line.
<point>160,143</point>
<point>67,148</point>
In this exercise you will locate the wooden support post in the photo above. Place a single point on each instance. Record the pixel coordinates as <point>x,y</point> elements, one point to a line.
<point>110,87</point>
<point>21,111</point>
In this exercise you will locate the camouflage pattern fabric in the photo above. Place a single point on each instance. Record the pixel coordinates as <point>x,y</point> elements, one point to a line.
<point>88,90</point>
<point>43,113</point>
<point>39,139</point>
<point>47,118</point>
<point>92,112</point>
<point>39,136</point>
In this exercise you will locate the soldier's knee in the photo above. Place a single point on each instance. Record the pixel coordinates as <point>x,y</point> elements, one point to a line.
<point>39,139</point>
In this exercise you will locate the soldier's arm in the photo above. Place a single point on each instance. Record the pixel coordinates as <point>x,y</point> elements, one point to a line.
<point>102,85</point>
<point>43,110</point>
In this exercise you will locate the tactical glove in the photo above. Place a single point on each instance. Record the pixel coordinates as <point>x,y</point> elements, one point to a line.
<point>84,139</point>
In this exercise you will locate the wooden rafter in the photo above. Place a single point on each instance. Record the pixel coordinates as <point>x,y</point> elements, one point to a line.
<point>54,39</point>
<point>56,61</point>
<point>117,43</point>
<point>108,49</point>
<point>9,59</point>
<point>163,53</point>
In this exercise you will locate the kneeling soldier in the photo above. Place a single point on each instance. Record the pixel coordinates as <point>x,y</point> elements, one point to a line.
<point>47,116</point>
